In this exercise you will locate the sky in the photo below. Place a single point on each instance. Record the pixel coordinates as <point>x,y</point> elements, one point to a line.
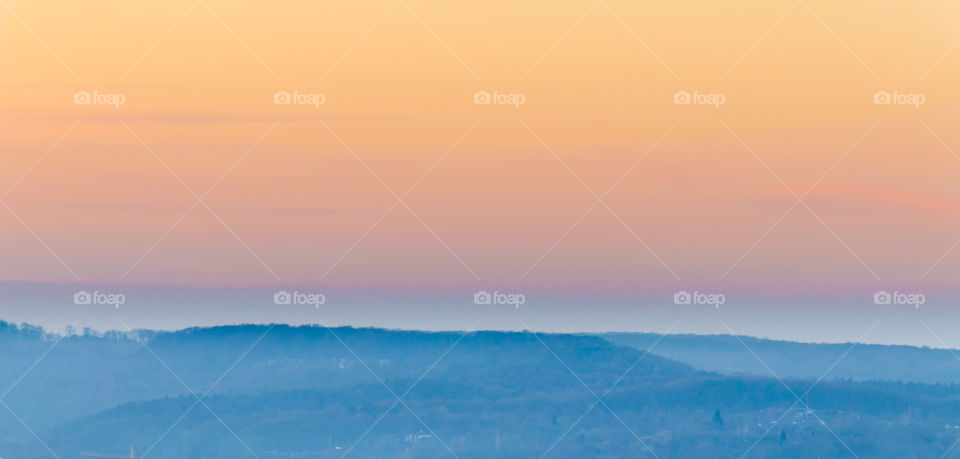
<point>609,152</point>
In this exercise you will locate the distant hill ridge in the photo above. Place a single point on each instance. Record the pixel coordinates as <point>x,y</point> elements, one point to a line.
<point>728,354</point>
<point>310,391</point>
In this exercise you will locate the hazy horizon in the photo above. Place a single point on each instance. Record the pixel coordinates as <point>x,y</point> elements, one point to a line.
<point>853,319</point>
<point>774,169</point>
<point>797,159</point>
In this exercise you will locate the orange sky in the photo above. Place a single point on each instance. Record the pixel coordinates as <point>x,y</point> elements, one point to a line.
<point>503,184</point>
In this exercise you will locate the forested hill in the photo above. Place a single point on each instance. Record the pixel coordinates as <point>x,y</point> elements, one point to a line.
<point>141,365</point>
<point>729,354</point>
<point>276,391</point>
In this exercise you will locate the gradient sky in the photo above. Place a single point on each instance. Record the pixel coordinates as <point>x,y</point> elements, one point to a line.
<point>701,198</point>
